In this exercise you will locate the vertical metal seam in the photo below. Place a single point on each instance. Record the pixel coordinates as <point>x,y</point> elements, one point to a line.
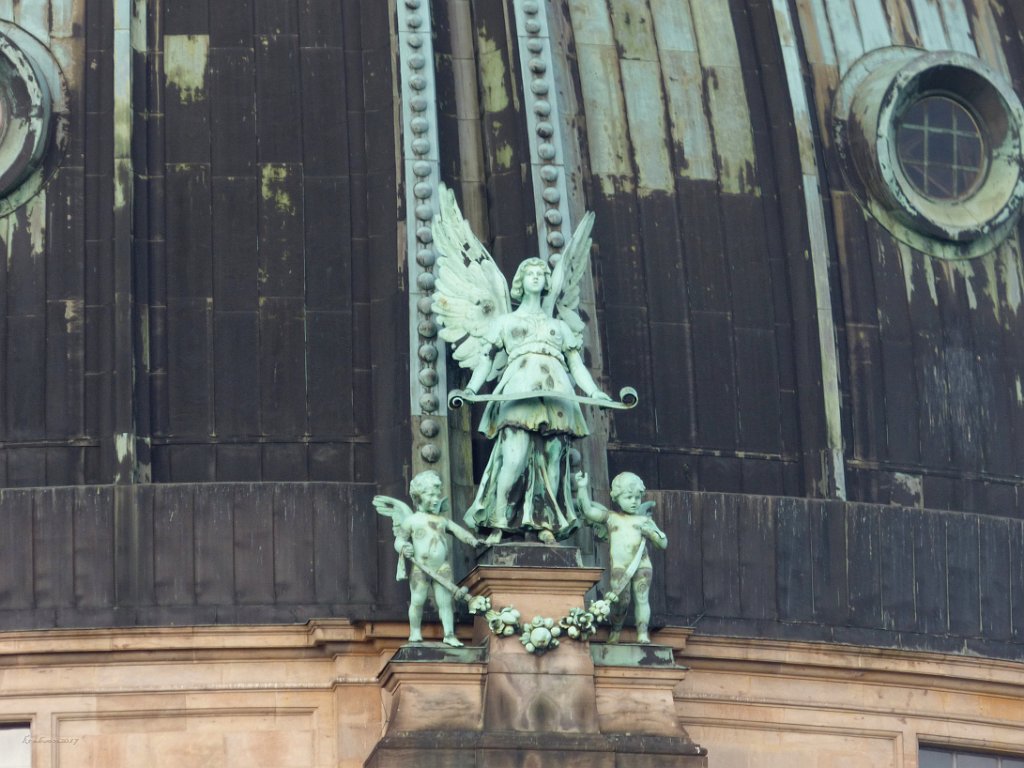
<point>124,358</point>
<point>543,124</point>
<point>555,164</point>
<point>819,251</point>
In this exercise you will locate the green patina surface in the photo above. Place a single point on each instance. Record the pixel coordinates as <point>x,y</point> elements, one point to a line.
<point>435,652</point>
<point>185,58</point>
<point>272,179</point>
<point>629,655</point>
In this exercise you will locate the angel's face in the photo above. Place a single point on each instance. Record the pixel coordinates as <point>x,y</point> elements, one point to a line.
<point>535,279</point>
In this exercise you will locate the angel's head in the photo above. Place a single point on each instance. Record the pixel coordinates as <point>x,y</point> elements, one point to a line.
<point>526,278</point>
<point>425,490</point>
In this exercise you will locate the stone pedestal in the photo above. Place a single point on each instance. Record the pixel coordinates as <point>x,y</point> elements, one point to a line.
<point>432,686</point>
<point>578,705</point>
<point>553,692</point>
<point>634,686</point>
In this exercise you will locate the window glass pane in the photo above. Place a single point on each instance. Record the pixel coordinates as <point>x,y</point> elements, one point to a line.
<point>929,758</point>
<point>941,148</point>
<point>976,761</point>
<point>968,152</point>
<point>1012,762</point>
<point>940,182</point>
<point>912,145</point>
<point>15,746</point>
<point>939,115</point>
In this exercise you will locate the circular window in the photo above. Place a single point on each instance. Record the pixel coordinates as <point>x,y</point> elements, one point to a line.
<point>941,148</point>
<point>931,146</point>
<point>33,116</point>
<point>4,111</point>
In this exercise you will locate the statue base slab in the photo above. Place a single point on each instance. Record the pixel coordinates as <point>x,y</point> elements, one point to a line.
<point>470,749</point>
<point>634,686</point>
<point>495,705</point>
<point>434,686</point>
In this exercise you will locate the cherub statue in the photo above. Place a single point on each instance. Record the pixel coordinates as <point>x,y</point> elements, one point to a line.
<point>534,353</point>
<point>421,536</point>
<point>628,530</point>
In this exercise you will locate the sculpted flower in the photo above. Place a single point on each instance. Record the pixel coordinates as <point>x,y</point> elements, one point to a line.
<point>600,609</point>
<point>540,635</point>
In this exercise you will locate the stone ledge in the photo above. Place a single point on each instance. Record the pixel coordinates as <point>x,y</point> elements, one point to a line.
<point>468,749</point>
<point>531,555</point>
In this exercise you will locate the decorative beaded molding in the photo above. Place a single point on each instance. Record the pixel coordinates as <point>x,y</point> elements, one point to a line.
<point>542,121</point>
<point>428,385</point>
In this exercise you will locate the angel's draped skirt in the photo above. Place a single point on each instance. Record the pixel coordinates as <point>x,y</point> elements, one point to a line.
<point>536,502</point>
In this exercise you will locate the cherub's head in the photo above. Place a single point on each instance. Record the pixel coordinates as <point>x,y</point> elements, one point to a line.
<point>529,266</point>
<point>425,490</point>
<point>627,492</point>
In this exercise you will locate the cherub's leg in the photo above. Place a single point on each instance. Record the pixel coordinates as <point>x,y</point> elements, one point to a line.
<point>642,608</point>
<point>515,447</point>
<point>619,607</point>
<point>446,610</point>
<point>418,584</point>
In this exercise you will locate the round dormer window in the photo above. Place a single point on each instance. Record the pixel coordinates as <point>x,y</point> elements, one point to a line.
<point>931,145</point>
<point>33,116</point>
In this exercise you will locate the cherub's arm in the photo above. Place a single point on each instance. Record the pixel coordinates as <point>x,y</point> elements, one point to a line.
<point>594,512</point>
<point>653,533</point>
<point>462,534</point>
<point>399,512</point>
<point>403,545</point>
<point>582,376</point>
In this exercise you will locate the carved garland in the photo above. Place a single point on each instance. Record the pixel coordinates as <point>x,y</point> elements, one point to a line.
<point>542,634</point>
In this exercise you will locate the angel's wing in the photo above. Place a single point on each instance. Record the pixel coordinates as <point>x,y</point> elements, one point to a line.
<point>396,509</point>
<point>563,301</point>
<point>471,293</point>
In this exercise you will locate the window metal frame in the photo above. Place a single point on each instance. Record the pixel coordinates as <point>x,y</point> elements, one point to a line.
<point>871,99</point>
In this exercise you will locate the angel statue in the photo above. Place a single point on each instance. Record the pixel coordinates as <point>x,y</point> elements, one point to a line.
<point>420,536</point>
<point>533,350</point>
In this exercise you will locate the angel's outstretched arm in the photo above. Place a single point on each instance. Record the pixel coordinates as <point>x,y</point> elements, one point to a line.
<point>582,376</point>
<point>480,373</point>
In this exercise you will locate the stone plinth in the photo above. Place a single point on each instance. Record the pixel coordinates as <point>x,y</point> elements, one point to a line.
<point>433,686</point>
<point>634,687</point>
<point>552,750</point>
<point>553,692</point>
<point>539,580</point>
<point>576,706</point>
